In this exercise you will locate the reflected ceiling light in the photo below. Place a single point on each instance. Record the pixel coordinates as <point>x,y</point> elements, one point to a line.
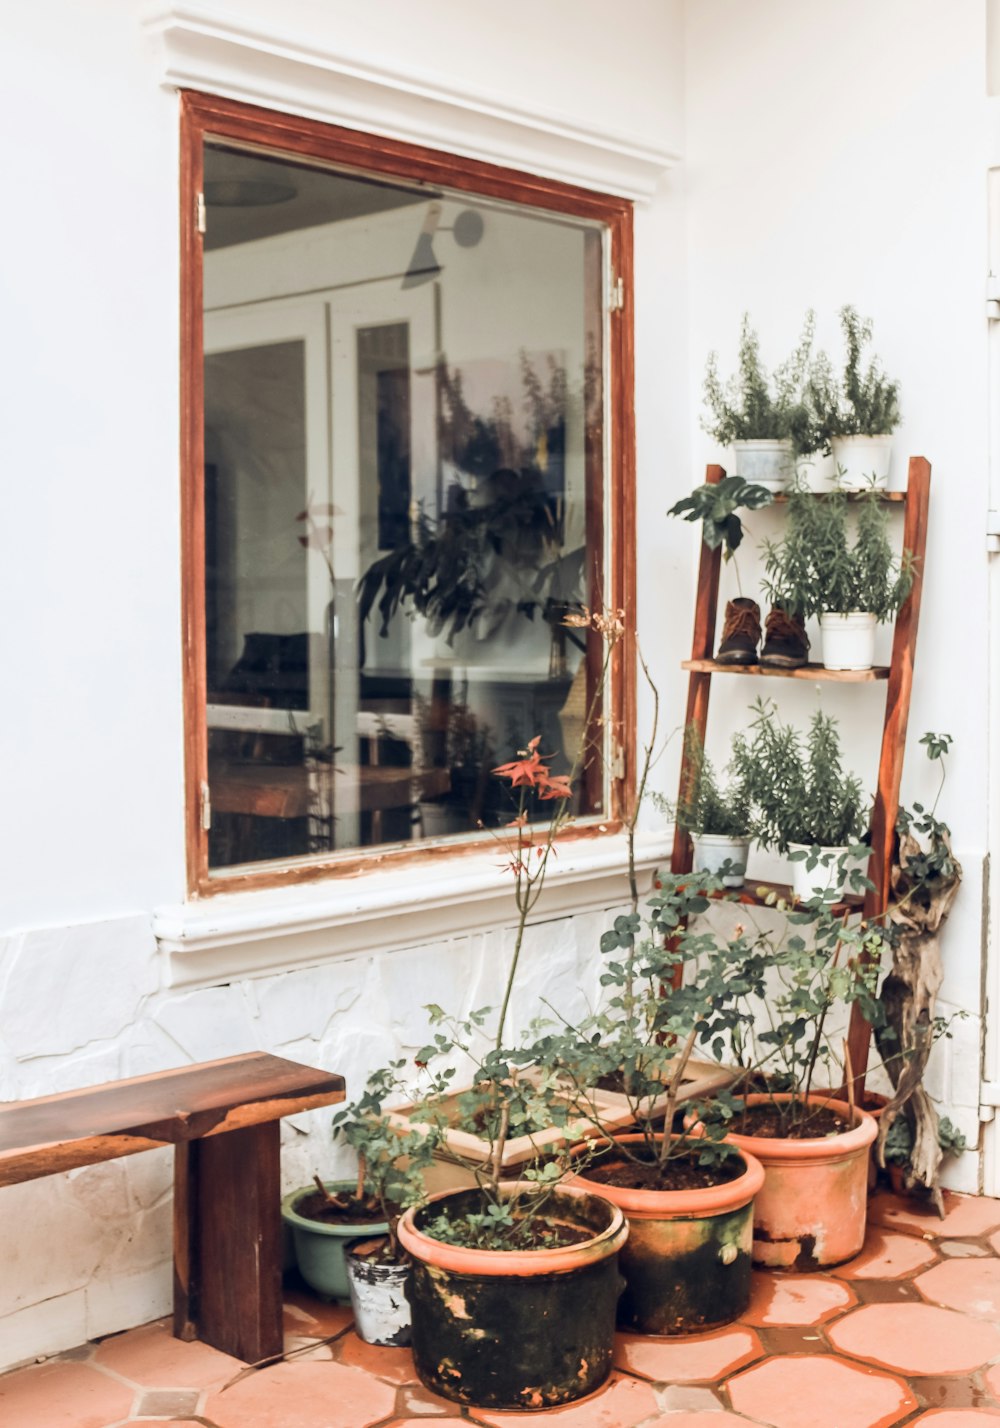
<point>424,266</point>
<point>247,193</point>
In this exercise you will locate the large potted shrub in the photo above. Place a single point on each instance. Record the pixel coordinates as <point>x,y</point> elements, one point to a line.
<point>805,804</point>
<point>861,431</point>
<point>688,1200</point>
<point>764,419</point>
<point>802,977</point>
<point>851,584</point>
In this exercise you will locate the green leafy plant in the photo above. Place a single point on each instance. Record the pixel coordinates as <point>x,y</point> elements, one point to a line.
<point>752,406</point>
<point>871,400</point>
<point>391,1163</point>
<point>704,807</point>
<point>798,787</point>
<point>715,504</point>
<point>816,569</point>
<point>898,1146</point>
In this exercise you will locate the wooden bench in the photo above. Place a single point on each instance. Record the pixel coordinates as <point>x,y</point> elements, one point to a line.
<point>222,1118</point>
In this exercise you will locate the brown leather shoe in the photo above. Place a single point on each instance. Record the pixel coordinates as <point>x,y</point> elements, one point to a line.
<point>740,633</point>
<point>786,644</point>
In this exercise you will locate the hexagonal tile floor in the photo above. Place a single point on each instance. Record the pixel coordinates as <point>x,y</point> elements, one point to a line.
<point>907,1333</point>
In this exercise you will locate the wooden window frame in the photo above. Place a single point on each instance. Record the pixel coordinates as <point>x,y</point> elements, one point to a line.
<point>211,117</point>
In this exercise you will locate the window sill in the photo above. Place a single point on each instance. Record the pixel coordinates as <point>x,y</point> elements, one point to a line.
<point>256,933</point>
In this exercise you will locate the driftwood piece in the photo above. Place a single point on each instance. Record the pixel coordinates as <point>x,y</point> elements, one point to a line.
<point>917,908</point>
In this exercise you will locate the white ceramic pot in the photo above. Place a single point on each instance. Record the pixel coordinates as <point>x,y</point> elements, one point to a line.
<point>848,640</point>
<point>817,472</point>
<point>862,461</point>
<point>825,875</point>
<point>770,464</point>
<point>378,1298</point>
<point>711,850</point>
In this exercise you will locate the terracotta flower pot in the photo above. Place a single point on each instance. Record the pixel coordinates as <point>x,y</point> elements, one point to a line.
<point>687,1258</point>
<point>522,1329</point>
<point>812,1209</point>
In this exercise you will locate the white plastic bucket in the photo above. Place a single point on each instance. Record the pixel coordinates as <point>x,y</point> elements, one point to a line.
<point>711,850</point>
<point>817,472</point>
<point>863,461</point>
<point>378,1298</point>
<point>770,464</point>
<point>826,874</point>
<point>848,640</point>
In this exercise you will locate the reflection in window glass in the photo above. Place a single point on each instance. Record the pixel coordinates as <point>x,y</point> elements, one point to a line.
<point>403,479</point>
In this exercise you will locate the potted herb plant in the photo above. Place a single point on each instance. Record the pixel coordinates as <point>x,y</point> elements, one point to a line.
<point>805,804</point>
<point>851,586</point>
<point>719,820</point>
<point>764,420</point>
<point>800,977</point>
<point>861,432</point>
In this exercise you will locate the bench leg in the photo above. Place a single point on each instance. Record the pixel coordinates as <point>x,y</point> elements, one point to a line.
<point>227,1242</point>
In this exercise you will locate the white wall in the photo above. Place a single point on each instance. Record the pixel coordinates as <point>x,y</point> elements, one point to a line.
<point>834,153</point>
<point>91,729</point>
<point>838,153</point>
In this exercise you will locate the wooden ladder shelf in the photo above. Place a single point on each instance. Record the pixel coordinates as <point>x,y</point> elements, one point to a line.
<point>897,677</point>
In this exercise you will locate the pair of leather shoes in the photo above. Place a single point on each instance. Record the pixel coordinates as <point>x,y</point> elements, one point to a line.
<point>786,645</point>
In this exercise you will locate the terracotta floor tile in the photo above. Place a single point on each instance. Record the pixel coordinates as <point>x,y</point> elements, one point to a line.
<point>991,1380</point>
<point>622,1403</point>
<point>916,1338</point>
<point>167,1402</point>
<point>971,1285</point>
<point>886,1291</point>
<point>819,1392</point>
<point>404,1422</point>
<point>395,1365</point>
<point>699,1420</point>
<point>683,1398</point>
<point>796,1299</point>
<point>313,1317</point>
<point>950,1391</point>
<point>302,1395</point>
<point>957,1418</point>
<point>693,1358</point>
<point>62,1395</point>
<point>888,1256</point>
<point>965,1249</point>
<point>415,1401</point>
<point>966,1216</point>
<point>153,1358</point>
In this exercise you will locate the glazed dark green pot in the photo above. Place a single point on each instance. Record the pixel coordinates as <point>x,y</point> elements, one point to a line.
<point>524,1330</point>
<point>689,1252</point>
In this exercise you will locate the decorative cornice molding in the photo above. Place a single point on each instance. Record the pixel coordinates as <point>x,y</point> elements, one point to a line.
<point>254,934</point>
<point>210,50</point>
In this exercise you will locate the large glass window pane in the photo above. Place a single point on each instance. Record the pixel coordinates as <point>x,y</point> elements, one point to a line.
<point>403,485</point>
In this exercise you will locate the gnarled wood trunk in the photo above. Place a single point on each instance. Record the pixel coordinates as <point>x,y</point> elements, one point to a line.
<point>909,996</point>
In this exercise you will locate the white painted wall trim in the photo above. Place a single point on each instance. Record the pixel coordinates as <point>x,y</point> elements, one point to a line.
<point>213,50</point>
<point>257,933</point>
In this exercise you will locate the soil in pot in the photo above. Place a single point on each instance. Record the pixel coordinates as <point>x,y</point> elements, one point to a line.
<point>768,1120</point>
<point>320,1244</point>
<point>525,1329</point>
<point>687,1259</point>
<point>330,1208</point>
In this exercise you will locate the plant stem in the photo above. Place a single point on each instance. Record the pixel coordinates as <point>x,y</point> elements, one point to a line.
<point>672,1094</point>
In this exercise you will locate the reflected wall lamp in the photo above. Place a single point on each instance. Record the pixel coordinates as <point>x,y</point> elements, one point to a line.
<point>424,266</point>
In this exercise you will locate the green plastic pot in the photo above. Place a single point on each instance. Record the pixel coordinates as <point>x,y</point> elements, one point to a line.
<point>319,1248</point>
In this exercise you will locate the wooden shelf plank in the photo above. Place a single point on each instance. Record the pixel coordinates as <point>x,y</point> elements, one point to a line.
<point>895,498</point>
<point>807,671</point>
<point>755,891</point>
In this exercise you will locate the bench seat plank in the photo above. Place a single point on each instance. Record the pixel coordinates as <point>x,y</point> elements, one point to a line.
<point>82,1127</point>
